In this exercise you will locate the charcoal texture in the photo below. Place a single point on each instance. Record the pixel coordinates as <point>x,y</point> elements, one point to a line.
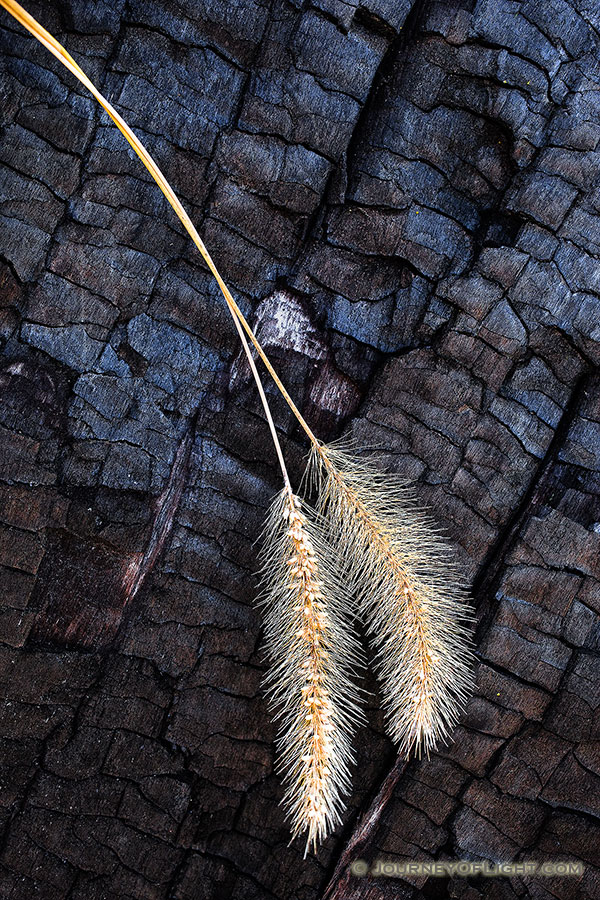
<point>404,198</point>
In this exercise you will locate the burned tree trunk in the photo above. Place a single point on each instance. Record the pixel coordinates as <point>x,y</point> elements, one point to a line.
<point>403,197</point>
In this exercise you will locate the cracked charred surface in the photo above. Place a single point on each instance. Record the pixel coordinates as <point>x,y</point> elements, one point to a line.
<point>404,198</point>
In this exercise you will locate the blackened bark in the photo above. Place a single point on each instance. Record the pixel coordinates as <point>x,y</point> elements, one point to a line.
<point>412,187</point>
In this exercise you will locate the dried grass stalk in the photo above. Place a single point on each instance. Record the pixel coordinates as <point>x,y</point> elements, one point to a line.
<point>408,591</point>
<point>399,567</point>
<point>313,655</point>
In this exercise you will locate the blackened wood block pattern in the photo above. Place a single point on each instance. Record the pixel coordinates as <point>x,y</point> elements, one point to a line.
<point>404,198</point>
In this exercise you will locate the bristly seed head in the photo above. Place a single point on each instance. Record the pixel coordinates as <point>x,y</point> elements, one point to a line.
<point>408,591</point>
<point>313,653</point>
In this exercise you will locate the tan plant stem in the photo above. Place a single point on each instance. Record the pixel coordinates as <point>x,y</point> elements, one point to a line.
<point>413,609</point>
<point>50,42</point>
<point>316,708</point>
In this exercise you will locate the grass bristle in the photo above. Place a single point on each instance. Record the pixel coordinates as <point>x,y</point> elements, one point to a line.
<point>313,656</point>
<point>409,594</point>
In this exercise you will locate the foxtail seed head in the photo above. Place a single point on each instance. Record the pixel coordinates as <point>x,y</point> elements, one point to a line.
<point>313,653</point>
<point>409,594</point>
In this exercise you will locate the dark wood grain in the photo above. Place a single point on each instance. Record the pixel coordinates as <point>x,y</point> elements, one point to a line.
<point>404,199</point>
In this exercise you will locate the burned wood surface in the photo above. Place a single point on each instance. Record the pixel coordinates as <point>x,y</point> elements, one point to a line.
<point>404,198</point>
